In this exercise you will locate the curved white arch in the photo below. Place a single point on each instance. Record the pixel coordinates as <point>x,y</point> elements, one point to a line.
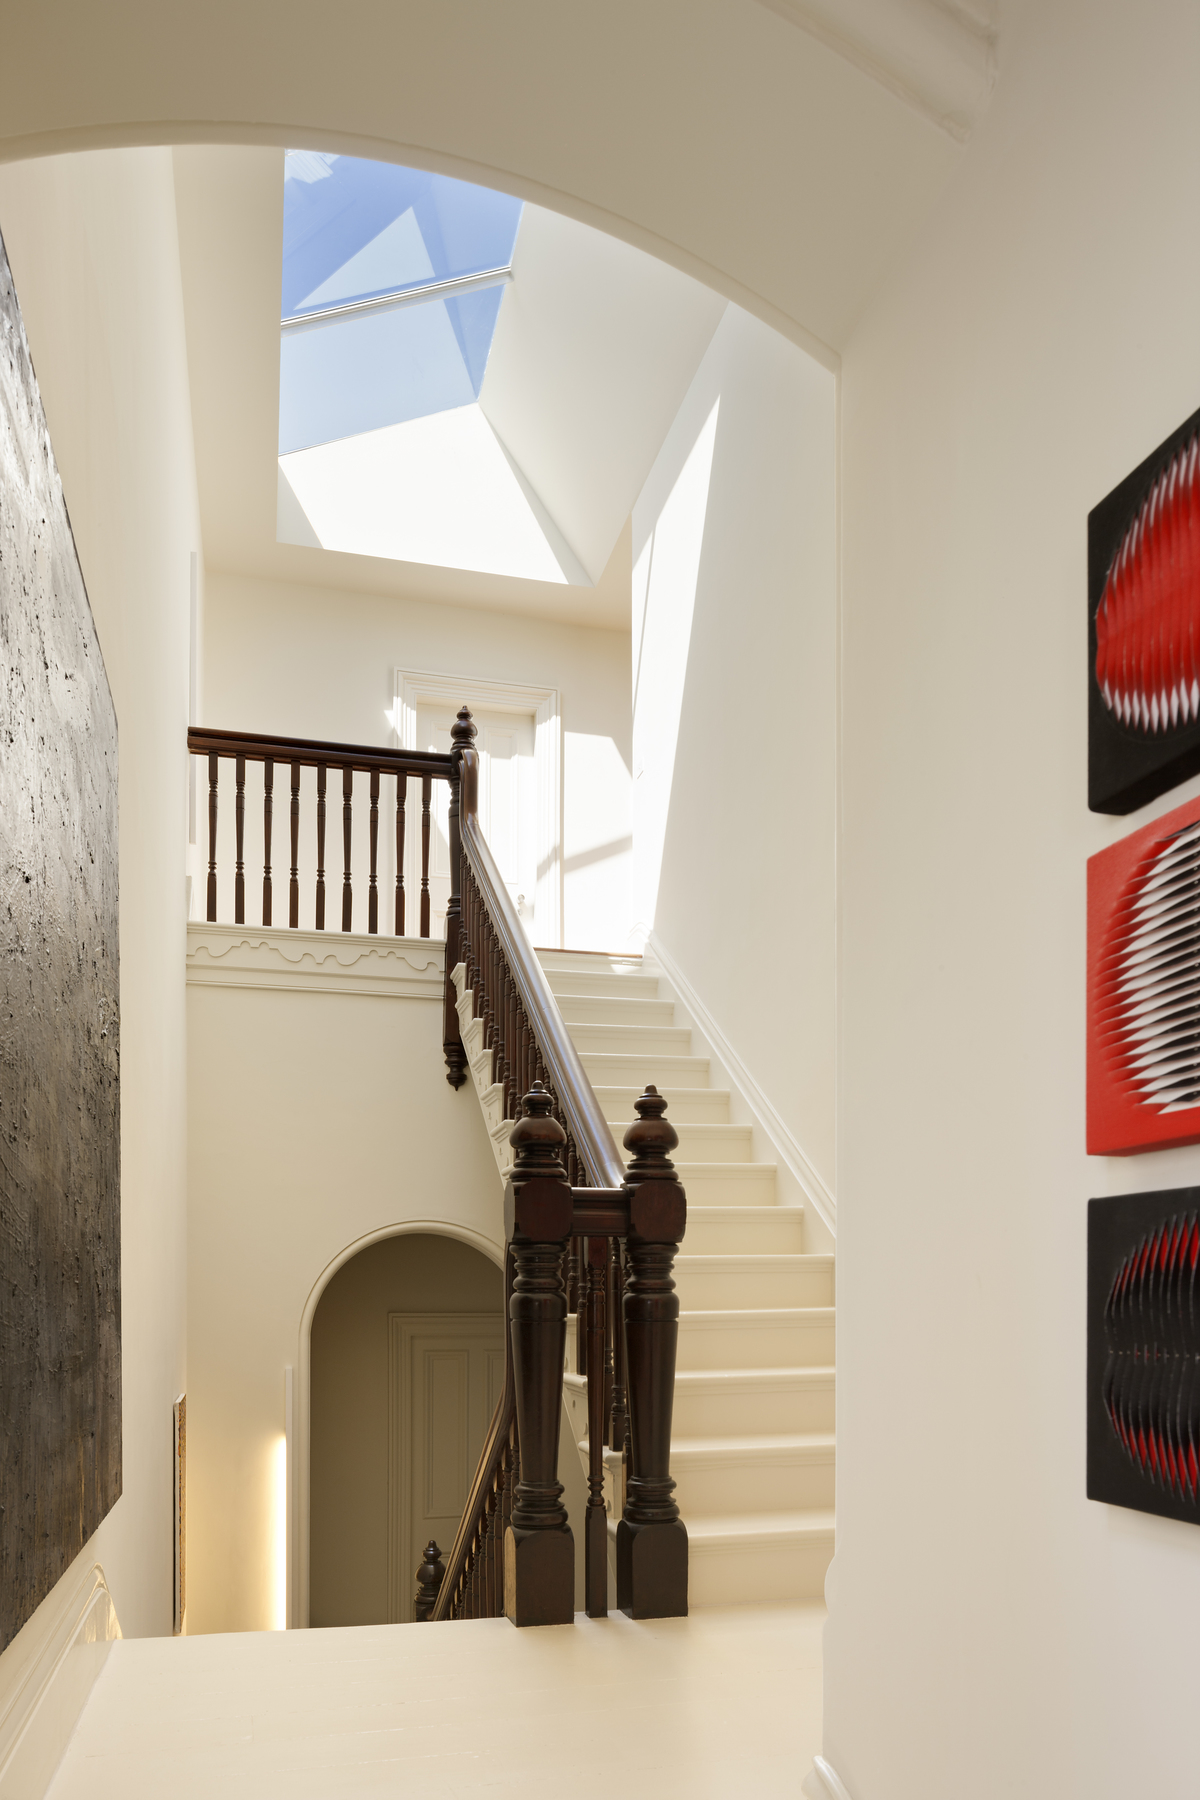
<point>298,1500</point>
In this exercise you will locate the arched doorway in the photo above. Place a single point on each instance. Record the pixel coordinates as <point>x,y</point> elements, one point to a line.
<point>406,1352</point>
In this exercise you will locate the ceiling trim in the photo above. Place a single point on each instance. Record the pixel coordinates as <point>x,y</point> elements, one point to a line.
<point>938,55</point>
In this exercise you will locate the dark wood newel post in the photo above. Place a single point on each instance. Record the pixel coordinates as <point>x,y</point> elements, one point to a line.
<point>652,1543</point>
<point>462,733</point>
<point>430,1575</point>
<point>539,1550</point>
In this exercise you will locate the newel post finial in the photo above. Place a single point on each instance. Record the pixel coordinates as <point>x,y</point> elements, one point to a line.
<point>463,730</point>
<point>651,1138</point>
<point>430,1575</point>
<point>537,1137</point>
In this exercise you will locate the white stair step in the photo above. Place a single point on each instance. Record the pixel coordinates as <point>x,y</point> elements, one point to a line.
<point>787,1337</point>
<point>713,1282</point>
<point>719,1402</point>
<point>703,1143</point>
<point>728,1184</point>
<point>612,1009</point>
<point>601,982</point>
<point>589,962</point>
<point>759,1474</point>
<point>666,1073</point>
<point>637,1041</point>
<point>685,1106</point>
<point>739,1559</point>
<point>748,1230</point>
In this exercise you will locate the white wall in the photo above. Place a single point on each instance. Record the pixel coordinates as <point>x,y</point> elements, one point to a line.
<point>92,244</point>
<point>312,662</point>
<point>992,1631</point>
<point>734,712</point>
<point>315,1119</point>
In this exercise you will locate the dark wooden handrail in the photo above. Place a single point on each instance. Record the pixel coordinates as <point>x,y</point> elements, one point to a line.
<point>312,753</point>
<point>584,1116</point>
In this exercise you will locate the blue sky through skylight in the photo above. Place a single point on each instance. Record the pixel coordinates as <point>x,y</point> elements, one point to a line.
<point>354,231</point>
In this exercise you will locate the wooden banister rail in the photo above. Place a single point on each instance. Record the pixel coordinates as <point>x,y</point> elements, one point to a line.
<point>294,754</point>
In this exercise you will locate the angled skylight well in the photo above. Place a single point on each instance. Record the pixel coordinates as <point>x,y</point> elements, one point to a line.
<point>393,280</point>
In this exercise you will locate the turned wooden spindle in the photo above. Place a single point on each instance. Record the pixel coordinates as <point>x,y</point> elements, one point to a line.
<point>430,1575</point>
<point>321,774</point>
<point>539,1552</point>
<point>214,763</point>
<point>426,789</point>
<point>294,884</point>
<point>373,888</point>
<point>401,793</point>
<point>239,823</point>
<point>595,1581</point>
<point>652,1545</point>
<point>268,812</point>
<point>619,1417</point>
<point>347,826</point>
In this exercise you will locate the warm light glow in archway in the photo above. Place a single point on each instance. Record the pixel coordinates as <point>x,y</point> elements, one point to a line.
<point>279,1512</point>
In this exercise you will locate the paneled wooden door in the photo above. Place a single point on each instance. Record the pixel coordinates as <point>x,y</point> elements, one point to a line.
<point>446,1372</point>
<point>507,809</point>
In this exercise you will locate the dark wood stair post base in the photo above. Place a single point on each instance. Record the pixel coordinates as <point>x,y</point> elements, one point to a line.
<point>539,1550</point>
<point>652,1543</point>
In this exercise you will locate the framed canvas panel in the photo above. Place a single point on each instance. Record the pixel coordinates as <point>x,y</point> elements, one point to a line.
<point>1143,1353</point>
<point>60,1175</point>
<point>1144,629</point>
<point>1143,994</point>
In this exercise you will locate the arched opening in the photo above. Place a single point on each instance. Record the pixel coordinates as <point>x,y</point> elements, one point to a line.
<point>406,1350</point>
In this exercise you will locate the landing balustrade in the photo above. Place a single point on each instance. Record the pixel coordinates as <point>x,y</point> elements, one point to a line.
<point>584,1233</point>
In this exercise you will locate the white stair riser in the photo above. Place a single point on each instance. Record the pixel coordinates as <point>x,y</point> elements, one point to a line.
<point>608,1069</point>
<point>752,1408</point>
<point>769,1282</point>
<point>633,1040</point>
<point>602,983</point>
<point>742,1341</point>
<point>685,1105</point>
<point>742,1575</point>
<point>744,1230</point>
<point>745,1484</point>
<point>583,1009</point>
<point>747,1184</point>
<point>703,1143</point>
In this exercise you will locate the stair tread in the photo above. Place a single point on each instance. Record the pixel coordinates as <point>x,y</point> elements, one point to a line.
<point>802,1261</point>
<point>699,1170</point>
<point>760,1525</point>
<point>803,1374</point>
<point>758,1315</point>
<point>766,1443</point>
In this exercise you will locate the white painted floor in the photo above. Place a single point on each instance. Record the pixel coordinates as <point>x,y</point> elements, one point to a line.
<point>727,1702</point>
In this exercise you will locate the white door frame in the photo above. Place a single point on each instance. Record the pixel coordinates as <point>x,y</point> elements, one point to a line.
<point>419,687</point>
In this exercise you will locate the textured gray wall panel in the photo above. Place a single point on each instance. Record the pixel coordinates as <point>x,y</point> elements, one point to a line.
<point>60,1194</point>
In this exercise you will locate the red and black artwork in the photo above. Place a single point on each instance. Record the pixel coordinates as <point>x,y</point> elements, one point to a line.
<point>1143,1405</point>
<point>1143,1025</point>
<point>60,1100</point>
<point>1144,629</point>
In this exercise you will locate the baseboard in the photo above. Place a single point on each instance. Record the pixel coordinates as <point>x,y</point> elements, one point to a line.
<point>46,1675</point>
<point>787,1150</point>
<point>824,1784</point>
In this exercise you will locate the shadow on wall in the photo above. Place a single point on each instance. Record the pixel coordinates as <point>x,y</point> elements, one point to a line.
<point>407,1352</point>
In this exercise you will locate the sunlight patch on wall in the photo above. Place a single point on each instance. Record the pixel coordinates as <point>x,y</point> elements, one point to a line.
<point>279,1523</point>
<point>666,571</point>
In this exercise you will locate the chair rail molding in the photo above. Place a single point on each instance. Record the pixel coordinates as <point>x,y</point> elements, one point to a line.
<point>787,1150</point>
<point>271,956</point>
<point>825,1783</point>
<point>46,1675</point>
<point>415,687</point>
<point>938,55</point>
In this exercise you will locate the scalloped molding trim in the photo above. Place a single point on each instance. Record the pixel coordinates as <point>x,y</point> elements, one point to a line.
<point>332,962</point>
<point>786,1148</point>
<point>46,1675</point>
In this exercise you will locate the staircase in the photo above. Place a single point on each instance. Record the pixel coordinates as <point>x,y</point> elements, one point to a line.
<point>752,1450</point>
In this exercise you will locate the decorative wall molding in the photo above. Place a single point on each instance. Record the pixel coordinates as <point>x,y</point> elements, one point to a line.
<point>46,1676</point>
<point>938,55</point>
<point>332,962</point>
<point>824,1783</point>
<point>415,687</point>
<point>786,1148</point>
